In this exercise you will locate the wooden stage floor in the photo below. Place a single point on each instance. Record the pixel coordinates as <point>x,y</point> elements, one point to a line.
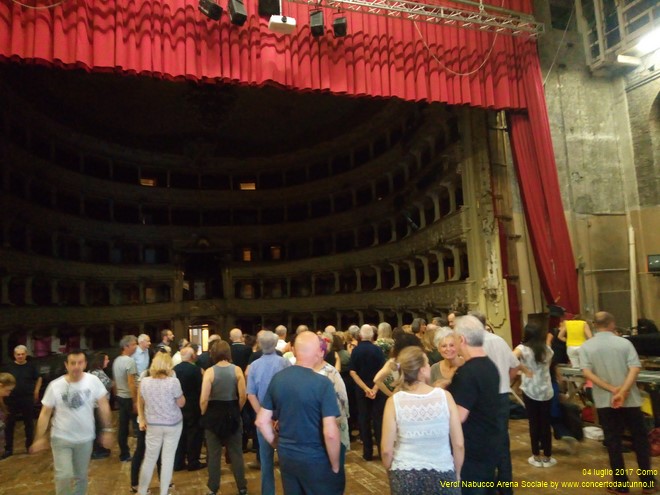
<point>23,474</point>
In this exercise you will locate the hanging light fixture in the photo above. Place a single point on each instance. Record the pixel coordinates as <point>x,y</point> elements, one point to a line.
<point>210,9</point>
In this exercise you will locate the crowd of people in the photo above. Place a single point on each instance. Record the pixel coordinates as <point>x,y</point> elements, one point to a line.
<point>431,401</point>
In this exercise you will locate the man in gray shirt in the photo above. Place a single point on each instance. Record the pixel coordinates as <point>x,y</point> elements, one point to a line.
<point>612,364</point>
<point>124,372</point>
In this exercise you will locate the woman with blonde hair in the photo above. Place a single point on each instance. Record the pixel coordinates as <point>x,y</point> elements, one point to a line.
<point>7,384</point>
<point>443,372</point>
<point>421,430</point>
<point>160,400</point>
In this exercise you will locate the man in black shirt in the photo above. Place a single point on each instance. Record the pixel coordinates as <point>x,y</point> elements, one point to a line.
<point>167,337</point>
<point>190,443</point>
<point>475,388</point>
<point>366,360</point>
<point>240,353</point>
<point>22,399</point>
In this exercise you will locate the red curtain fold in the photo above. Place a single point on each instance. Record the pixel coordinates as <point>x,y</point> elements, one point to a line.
<point>531,143</point>
<point>380,57</point>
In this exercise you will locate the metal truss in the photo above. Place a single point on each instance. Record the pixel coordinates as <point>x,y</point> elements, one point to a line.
<point>502,21</point>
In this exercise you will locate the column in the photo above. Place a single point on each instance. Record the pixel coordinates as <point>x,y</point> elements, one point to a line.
<point>381,315</point>
<point>358,279</point>
<point>360,317</point>
<point>83,337</point>
<point>29,343</point>
<point>54,341</point>
<point>54,245</point>
<point>457,263</point>
<point>313,282</point>
<point>82,291</point>
<point>4,348</point>
<point>54,292</point>
<point>399,319</point>
<point>441,266</point>
<point>28,239</point>
<point>4,290</point>
<point>436,206</point>
<point>288,290</point>
<point>83,250</point>
<point>397,278</point>
<point>393,230</point>
<point>413,273</point>
<point>337,284</point>
<point>315,321</point>
<point>338,317</point>
<point>28,290</point>
<point>227,286</point>
<point>111,335</point>
<point>427,276</point>
<point>452,199</point>
<point>379,280</point>
<point>422,215</point>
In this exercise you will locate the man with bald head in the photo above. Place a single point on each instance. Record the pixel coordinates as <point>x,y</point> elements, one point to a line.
<point>308,444</point>
<point>281,332</point>
<point>190,442</point>
<point>240,353</point>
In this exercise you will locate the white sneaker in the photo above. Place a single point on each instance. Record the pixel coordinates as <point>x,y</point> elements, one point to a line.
<point>549,462</point>
<point>535,462</point>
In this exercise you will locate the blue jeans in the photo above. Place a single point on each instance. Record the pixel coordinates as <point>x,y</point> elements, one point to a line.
<point>267,454</point>
<point>71,463</point>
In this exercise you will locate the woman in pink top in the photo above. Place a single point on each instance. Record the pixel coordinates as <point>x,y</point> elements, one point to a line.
<point>159,413</point>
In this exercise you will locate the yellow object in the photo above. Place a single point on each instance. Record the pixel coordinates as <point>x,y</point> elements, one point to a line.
<point>575,336</point>
<point>647,406</point>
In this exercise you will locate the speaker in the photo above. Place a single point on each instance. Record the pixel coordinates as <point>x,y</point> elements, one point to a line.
<point>210,9</point>
<point>269,7</point>
<point>339,26</point>
<point>237,12</point>
<point>316,24</point>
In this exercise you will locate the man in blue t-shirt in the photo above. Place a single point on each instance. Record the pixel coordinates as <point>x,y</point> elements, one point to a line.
<point>308,445</point>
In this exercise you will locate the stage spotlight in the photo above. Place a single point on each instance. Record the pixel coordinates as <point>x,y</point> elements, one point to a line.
<point>316,24</point>
<point>339,26</point>
<point>269,7</point>
<point>237,12</point>
<point>210,9</point>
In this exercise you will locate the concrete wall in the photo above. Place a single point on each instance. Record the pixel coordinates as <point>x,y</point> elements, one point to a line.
<point>605,130</point>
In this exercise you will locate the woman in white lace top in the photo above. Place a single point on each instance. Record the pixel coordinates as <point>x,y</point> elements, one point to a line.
<point>421,429</point>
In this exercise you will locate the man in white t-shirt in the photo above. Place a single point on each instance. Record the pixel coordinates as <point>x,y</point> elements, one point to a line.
<point>72,397</point>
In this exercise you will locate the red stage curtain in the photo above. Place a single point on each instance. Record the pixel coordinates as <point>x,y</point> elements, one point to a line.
<point>534,157</point>
<point>381,57</point>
